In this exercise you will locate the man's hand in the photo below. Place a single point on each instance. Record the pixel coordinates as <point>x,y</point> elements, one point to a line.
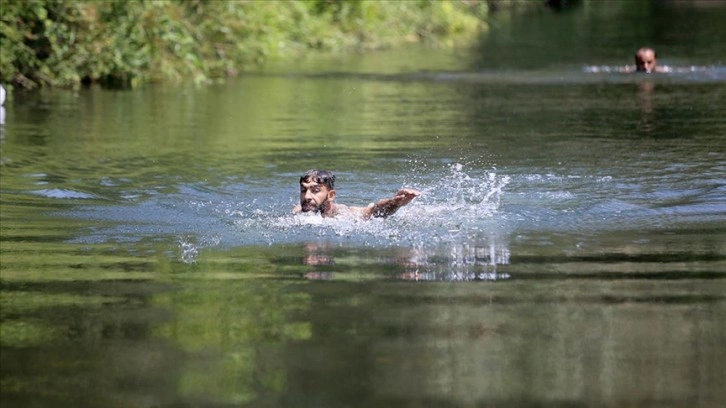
<point>405,196</point>
<point>388,206</point>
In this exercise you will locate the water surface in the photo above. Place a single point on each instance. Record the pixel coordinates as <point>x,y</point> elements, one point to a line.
<point>568,249</point>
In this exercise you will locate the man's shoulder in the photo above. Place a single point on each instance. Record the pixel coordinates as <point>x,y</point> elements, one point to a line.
<point>349,211</point>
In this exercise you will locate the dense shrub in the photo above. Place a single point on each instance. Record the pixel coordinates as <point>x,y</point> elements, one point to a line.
<point>125,42</point>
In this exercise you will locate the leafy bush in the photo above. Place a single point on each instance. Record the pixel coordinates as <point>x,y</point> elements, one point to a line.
<point>122,43</point>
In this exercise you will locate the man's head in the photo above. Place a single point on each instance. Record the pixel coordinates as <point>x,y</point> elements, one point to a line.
<point>317,191</point>
<point>645,60</point>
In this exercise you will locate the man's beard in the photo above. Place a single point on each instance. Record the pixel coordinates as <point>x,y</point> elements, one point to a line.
<point>309,206</point>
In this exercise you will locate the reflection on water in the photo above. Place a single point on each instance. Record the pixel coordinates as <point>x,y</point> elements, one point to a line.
<point>645,100</point>
<point>461,263</point>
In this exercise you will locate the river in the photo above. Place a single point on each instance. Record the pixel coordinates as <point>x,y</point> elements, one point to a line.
<point>568,248</point>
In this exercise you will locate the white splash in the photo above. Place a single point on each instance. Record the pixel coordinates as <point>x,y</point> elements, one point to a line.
<point>454,205</point>
<point>188,251</point>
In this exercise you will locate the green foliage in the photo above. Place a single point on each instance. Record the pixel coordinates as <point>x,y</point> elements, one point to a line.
<point>122,43</point>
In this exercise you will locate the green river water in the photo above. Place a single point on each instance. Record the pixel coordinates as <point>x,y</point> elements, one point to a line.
<point>568,248</point>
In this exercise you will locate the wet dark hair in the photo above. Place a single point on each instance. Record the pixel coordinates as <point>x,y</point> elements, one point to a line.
<point>324,177</point>
<point>645,49</point>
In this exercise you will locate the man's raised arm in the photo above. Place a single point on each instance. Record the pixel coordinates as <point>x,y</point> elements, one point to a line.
<point>388,206</point>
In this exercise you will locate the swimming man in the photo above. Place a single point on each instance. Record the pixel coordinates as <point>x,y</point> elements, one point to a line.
<point>317,194</point>
<point>646,61</point>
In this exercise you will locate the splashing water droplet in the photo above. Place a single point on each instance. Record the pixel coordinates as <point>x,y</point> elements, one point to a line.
<point>189,251</point>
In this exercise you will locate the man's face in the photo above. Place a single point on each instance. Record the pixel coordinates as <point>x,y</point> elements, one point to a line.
<point>314,197</point>
<point>645,61</point>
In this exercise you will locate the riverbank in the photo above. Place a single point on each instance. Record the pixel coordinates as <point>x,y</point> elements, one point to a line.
<point>117,43</point>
